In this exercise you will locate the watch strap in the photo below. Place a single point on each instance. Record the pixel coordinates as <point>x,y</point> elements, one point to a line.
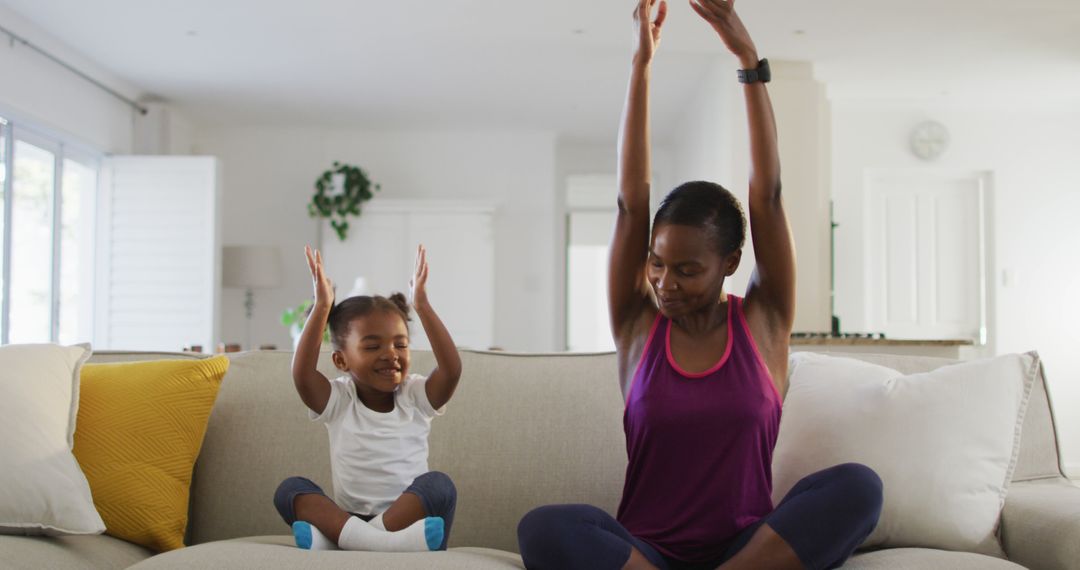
<point>760,73</point>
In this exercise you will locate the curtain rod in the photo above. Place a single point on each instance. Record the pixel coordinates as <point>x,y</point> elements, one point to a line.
<point>17,38</point>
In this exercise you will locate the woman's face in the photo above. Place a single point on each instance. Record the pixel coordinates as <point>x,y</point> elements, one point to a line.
<point>684,269</point>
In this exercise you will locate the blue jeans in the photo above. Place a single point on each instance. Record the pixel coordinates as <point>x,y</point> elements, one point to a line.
<point>824,518</point>
<point>435,489</point>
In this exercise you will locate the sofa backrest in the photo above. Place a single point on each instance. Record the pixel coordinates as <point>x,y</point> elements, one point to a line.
<point>522,431</point>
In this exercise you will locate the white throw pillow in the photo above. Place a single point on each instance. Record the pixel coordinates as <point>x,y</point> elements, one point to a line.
<point>42,488</point>
<point>945,443</point>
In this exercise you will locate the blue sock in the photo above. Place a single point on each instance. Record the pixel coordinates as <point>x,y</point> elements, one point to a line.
<point>309,538</point>
<point>434,531</point>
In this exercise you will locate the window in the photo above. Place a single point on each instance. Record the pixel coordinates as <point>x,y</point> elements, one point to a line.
<point>5,141</point>
<point>78,191</point>
<point>31,244</point>
<point>49,189</point>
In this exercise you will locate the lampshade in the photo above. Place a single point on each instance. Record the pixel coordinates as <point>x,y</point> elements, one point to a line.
<point>250,266</point>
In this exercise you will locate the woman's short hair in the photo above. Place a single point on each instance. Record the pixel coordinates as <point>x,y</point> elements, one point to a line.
<point>709,206</point>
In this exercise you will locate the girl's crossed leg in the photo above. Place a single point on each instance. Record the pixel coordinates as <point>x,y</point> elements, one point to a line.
<point>420,519</point>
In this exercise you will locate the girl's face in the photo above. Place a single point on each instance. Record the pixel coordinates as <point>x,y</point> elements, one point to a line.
<point>684,270</point>
<point>376,351</point>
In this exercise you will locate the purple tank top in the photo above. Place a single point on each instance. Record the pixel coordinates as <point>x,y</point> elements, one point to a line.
<point>699,445</point>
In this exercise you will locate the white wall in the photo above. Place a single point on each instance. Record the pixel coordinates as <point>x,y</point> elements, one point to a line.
<point>802,124</point>
<point>587,157</point>
<point>38,90</point>
<point>1032,152</point>
<point>705,139</point>
<point>714,145</point>
<point>577,157</point>
<point>268,180</point>
<point>164,129</point>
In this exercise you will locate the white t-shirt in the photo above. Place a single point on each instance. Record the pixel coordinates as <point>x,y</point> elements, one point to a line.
<point>375,456</point>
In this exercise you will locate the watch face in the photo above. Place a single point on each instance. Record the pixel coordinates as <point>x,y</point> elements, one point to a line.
<point>929,140</point>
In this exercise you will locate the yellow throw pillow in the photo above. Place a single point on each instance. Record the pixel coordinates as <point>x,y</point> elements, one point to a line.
<point>138,433</point>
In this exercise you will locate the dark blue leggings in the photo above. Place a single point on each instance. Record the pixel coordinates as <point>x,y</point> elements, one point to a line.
<point>435,489</point>
<point>823,518</point>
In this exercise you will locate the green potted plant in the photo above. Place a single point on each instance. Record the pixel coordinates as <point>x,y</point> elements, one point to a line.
<point>295,317</point>
<point>339,193</point>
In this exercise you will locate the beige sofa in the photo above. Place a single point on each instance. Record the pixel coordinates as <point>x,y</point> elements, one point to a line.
<point>522,431</point>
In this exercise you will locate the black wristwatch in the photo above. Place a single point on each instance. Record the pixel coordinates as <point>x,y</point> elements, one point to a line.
<point>761,73</point>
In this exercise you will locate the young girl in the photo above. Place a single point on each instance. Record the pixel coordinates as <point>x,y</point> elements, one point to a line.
<point>378,417</point>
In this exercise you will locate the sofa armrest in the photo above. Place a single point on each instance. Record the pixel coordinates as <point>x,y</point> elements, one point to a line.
<point>1040,525</point>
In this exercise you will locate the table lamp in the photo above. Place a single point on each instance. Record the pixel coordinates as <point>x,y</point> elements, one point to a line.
<point>250,267</point>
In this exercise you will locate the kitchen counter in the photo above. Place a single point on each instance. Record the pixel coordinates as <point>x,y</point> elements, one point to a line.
<point>944,348</point>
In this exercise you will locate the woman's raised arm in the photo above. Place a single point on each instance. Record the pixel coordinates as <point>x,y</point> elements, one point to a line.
<point>627,292</point>
<point>771,291</point>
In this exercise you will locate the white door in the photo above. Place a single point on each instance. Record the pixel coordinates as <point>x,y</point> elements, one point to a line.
<point>925,255</point>
<point>588,323</point>
<point>159,264</point>
<point>380,248</point>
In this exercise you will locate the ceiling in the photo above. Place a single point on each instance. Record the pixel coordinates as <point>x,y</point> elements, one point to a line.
<point>558,65</point>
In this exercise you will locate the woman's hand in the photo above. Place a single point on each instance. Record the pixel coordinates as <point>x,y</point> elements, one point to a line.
<point>418,283</point>
<point>720,14</point>
<point>648,30</point>
<point>324,289</point>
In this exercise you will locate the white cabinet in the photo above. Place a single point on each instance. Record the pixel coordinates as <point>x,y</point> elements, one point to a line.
<point>381,248</point>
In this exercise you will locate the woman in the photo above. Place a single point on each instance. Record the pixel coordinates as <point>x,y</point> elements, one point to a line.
<point>703,373</point>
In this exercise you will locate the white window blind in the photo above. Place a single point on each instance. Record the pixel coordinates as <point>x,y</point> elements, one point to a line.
<point>159,247</point>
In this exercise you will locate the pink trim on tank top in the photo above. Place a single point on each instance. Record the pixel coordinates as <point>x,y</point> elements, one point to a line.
<point>753,344</point>
<point>715,367</point>
<point>644,353</point>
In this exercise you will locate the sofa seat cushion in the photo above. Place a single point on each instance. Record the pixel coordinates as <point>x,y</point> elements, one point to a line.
<point>91,552</point>
<point>279,552</point>
<point>923,558</point>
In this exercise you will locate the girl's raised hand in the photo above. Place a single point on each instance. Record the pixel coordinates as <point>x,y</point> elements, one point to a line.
<point>720,14</point>
<point>648,30</point>
<point>418,283</point>
<point>324,289</point>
